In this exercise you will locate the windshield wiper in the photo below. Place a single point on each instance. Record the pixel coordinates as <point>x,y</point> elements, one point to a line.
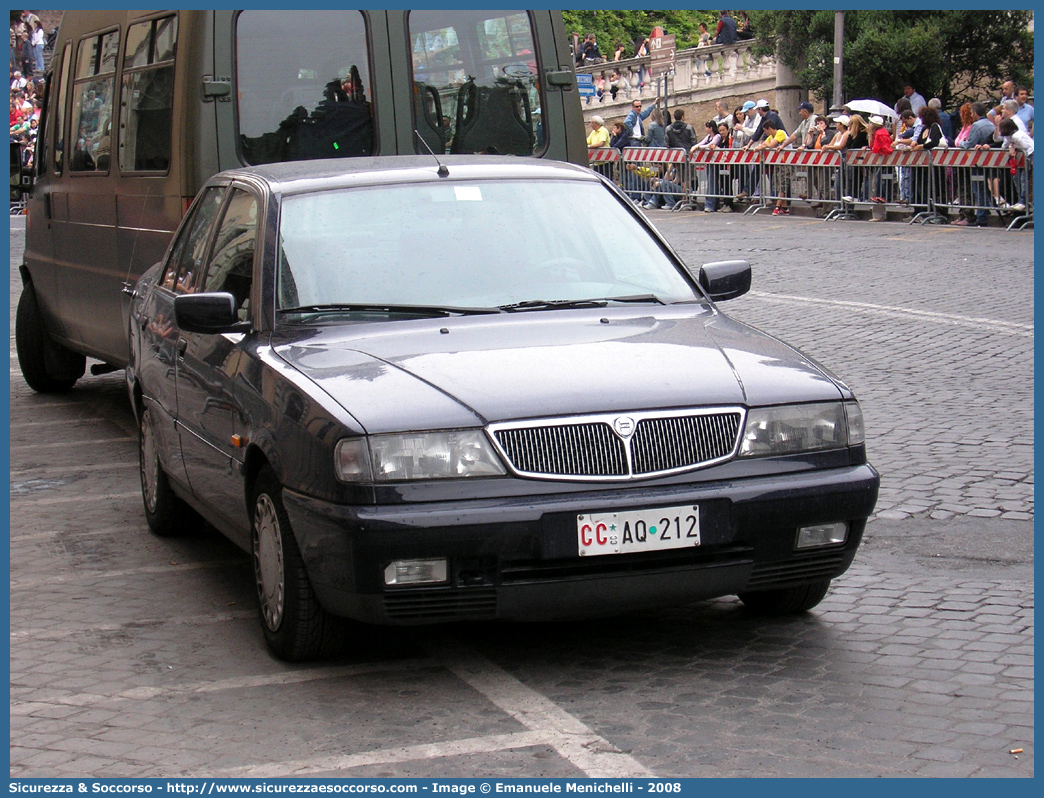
<point>554,304</point>
<point>410,310</point>
<point>638,299</point>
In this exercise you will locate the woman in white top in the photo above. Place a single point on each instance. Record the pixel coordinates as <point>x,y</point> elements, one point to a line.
<point>37,40</point>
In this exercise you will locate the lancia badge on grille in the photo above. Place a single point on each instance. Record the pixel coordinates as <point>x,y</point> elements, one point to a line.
<point>624,426</point>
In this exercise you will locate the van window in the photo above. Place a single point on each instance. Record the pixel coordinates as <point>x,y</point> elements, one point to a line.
<point>148,95</point>
<point>303,86</point>
<point>93,91</point>
<point>475,82</point>
<point>61,87</point>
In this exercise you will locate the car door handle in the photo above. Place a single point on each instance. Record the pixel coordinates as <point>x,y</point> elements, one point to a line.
<point>182,346</point>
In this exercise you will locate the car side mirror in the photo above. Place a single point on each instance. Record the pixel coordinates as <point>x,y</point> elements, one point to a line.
<point>209,314</point>
<point>725,279</point>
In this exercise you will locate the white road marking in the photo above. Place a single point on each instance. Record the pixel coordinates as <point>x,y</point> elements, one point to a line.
<point>994,325</point>
<point>69,577</point>
<point>19,707</point>
<point>75,534</point>
<point>67,444</point>
<point>68,468</point>
<point>184,620</point>
<point>571,738</point>
<point>58,422</point>
<point>47,501</point>
<point>387,756</point>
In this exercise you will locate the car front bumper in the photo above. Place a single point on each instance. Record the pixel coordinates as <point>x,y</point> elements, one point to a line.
<point>517,558</point>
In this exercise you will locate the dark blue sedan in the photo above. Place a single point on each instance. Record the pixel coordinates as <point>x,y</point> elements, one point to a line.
<point>480,388</point>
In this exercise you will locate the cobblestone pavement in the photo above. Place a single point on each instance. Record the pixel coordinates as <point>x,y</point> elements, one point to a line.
<point>133,655</point>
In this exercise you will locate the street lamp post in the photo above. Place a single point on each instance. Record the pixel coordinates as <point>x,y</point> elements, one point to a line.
<point>839,48</point>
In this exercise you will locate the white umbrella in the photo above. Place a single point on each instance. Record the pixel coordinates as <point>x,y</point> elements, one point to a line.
<point>872,107</point>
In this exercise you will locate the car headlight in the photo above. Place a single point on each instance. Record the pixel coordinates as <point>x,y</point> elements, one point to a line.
<point>789,429</point>
<point>452,454</point>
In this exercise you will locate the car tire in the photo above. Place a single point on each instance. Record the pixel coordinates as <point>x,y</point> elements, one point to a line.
<point>786,601</point>
<point>46,366</point>
<point>295,625</point>
<point>165,512</point>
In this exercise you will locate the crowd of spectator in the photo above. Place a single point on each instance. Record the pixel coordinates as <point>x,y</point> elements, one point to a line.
<point>587,52</point>
<point>915,125</point>
<point>28,40</point>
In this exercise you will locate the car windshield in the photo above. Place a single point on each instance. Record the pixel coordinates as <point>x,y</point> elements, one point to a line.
<point>484,245</point>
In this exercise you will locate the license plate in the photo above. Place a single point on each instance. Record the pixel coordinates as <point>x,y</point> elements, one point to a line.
<point>638,530</point>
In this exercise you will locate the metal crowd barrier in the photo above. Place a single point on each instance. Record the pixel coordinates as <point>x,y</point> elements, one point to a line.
<point>674,179</point>
<point>721,176</point>
<point>605,161</point>
<point>899,178</point>
<point>976,181</point>
<point>935,184</point>
<point>805,175</point>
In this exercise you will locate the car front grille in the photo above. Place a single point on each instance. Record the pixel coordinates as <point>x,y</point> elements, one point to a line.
<point>624,446</point>
<point>666,444</point>
<point>583,450</point>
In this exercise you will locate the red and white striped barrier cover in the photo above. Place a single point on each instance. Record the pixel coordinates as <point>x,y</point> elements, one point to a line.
<point>602,155</point>
<point>897,158</point>
<point>806,158</point>
<point>990,159</point>
<point>725,157</point>
<point>656,154</point>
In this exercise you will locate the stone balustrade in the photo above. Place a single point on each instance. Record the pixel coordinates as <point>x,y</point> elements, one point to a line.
<point>700,73</point>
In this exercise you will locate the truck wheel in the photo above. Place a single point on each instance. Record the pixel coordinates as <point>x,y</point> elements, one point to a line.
<point>786,601</point>
<point>46,366</point>
<point>165,513</point>
<point>296,627</point>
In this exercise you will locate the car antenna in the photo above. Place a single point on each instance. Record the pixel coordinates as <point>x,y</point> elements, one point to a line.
<point>443,171</point>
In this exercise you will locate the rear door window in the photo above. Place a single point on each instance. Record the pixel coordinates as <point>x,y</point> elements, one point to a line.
<point>93,94</point>
<point>61,88</point>
<point>475,82</point>
<point>303,86</point>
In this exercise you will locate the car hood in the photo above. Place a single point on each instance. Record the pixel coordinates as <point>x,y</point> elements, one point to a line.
<point>458,372</point>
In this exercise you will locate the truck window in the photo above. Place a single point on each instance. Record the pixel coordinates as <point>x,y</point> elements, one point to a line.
<point>147,96</point>
<point>303,86</point>
<point>475,82</point>
<point>92,102</point>
<point>60,86</point>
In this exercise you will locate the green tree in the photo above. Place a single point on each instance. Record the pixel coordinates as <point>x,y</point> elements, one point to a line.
<point>625,26</point>
<point>953,55</point>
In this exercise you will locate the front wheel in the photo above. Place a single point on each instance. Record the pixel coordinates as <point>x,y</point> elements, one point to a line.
<point>296,627</point>
<point>46,366</point>
<point>786,601</point>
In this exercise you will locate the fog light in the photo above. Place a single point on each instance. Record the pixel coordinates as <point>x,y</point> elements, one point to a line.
<point>416,572</point>
<point>822,535</point>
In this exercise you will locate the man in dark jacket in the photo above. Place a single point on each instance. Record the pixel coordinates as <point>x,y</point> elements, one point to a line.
<point>726,32</point>
<point>590,51</point>
<point>678,133</point>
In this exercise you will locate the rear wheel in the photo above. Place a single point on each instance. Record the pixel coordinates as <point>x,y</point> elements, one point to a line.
<point>786,601</point>
<point>165,512</point>
<point>296,627</point>
<point>46,366</point>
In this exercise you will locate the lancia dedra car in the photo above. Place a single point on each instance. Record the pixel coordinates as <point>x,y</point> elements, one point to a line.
<point>421,390</point>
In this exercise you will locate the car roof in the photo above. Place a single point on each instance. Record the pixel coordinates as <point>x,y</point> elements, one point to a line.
<point>303,176</point>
